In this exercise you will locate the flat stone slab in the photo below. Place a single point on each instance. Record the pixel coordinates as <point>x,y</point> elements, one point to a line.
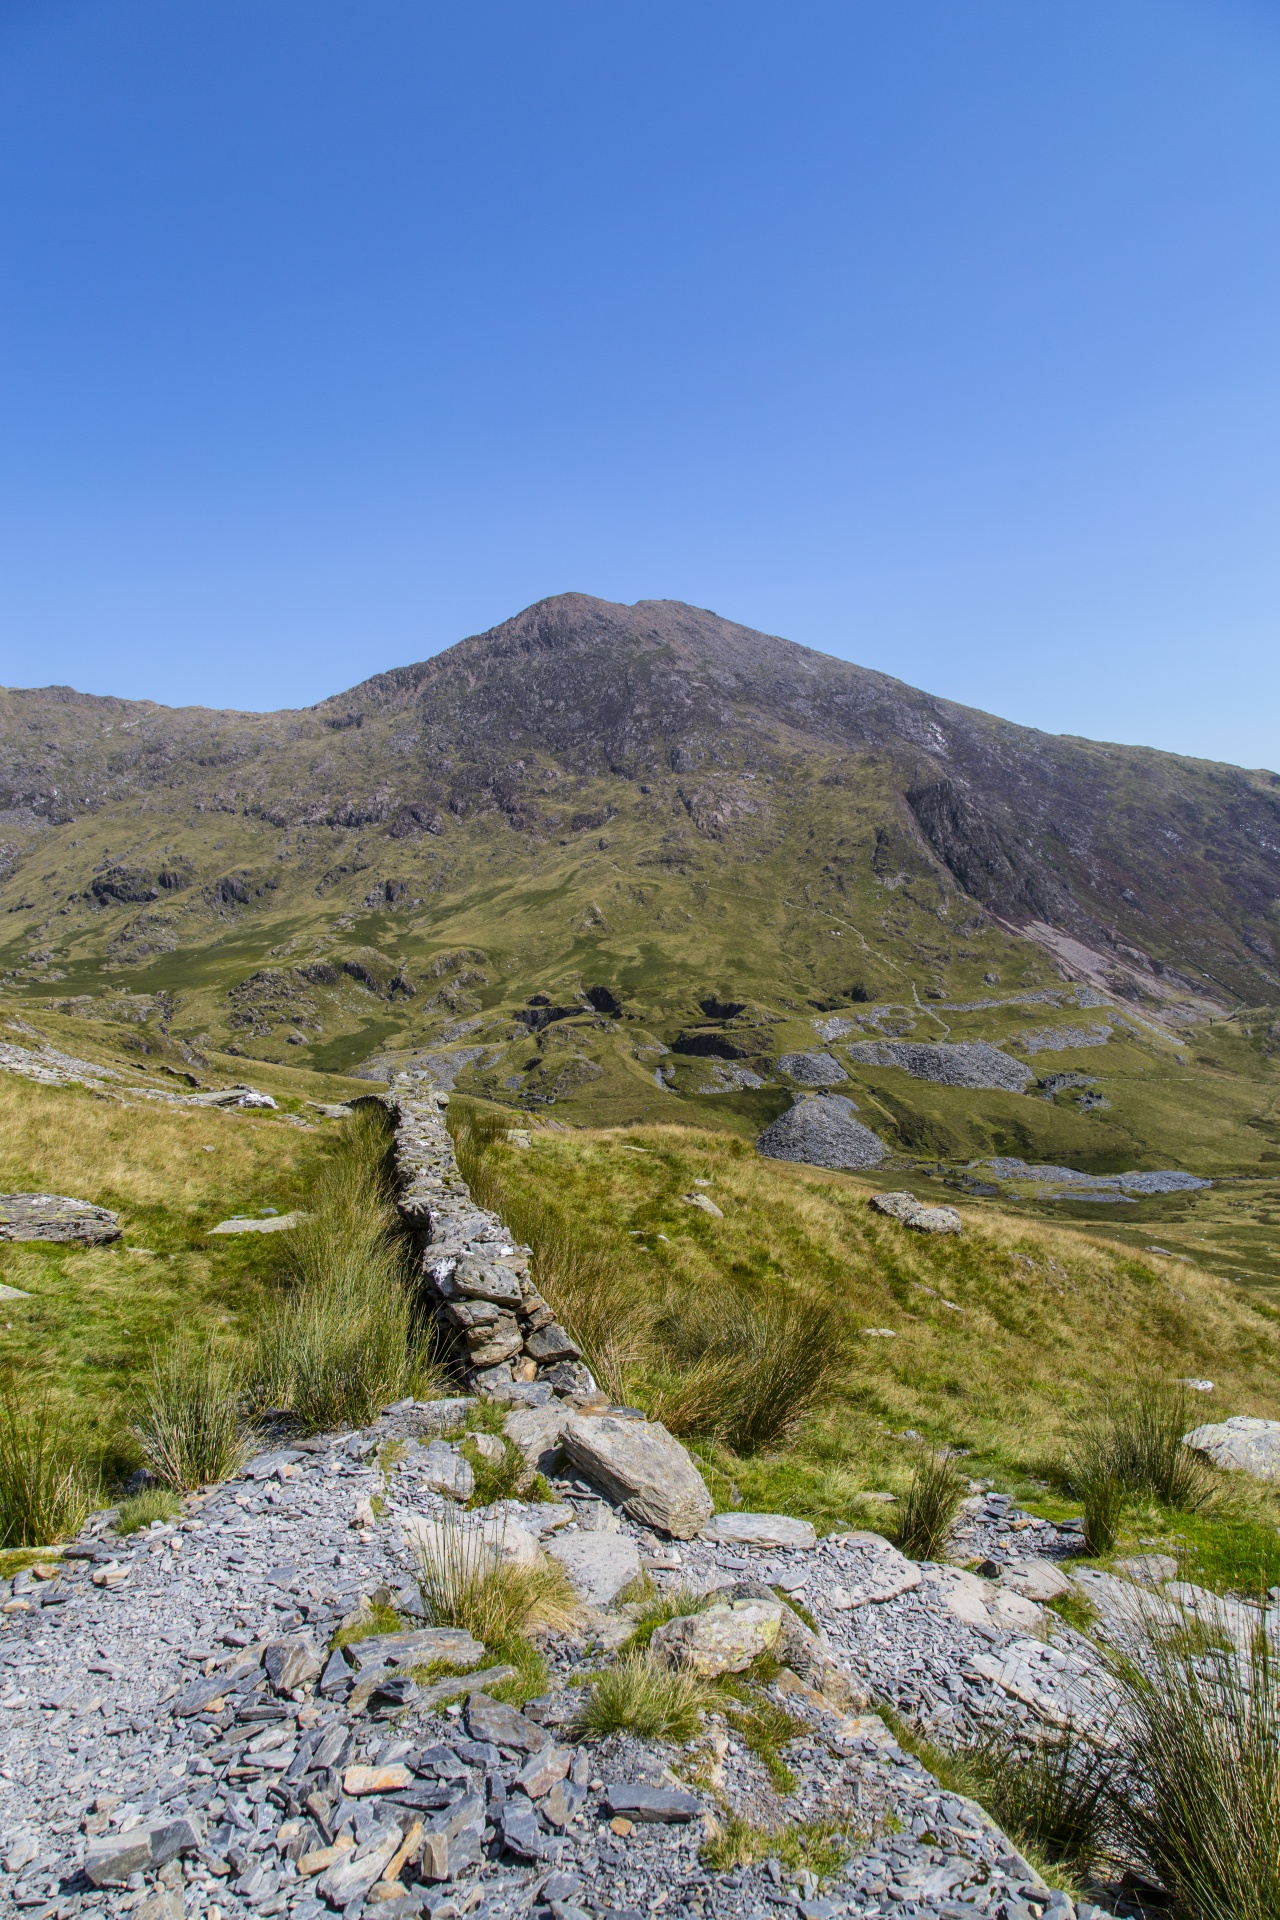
<point>822,1132</point>
<point>642,1469</point>
<point>600,1566</point>
<point>506,1727</point>
<point>54,1216</point>
<point>1037,1579</point>
<point>1242,1444</point>
<point>420,1648</point>
<point>275,1223</point>
<point>652,1803</point>
<point>760,1530</point>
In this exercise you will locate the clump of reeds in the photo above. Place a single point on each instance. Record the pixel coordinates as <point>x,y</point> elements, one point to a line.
<point>46,1487</point>
<point>189,1416</point>
<point>930,1506</point>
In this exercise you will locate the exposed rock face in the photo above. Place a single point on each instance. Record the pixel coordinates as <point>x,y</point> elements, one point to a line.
<point>643,1470</point>
<point>822,1132</point>
<point>1167,1180</point>
<point>51,1216</point>
<point>904,1207</point>
<point>966,1063</point>
<point>1242,1445</point>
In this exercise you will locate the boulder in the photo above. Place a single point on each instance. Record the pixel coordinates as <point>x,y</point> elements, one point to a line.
<point>822,1132</point>
<point>600,1566</point>
<point>1240,1445</point>
<point>536,1431</point>
<point>759,1530</point>
<point>447,1471</point>
<point>723,1638</point>
<point>642,1469</point>
<point>910,1212</point>
<point>420,1648</point>
<point>52,1216</point>
<point>805,1652</point>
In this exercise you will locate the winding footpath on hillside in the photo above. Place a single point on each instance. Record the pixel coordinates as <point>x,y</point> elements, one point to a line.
<point>176,1736</point>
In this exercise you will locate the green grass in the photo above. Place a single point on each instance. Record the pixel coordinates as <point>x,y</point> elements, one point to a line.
<point>634,1695</point>
<point>137,1512</point>
<point>818,1847</point>
<point>1044,1311</point>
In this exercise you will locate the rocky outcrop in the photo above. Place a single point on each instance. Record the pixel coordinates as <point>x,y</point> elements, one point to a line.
<point>910,1212</point>
<point>964,1063</point>
<point>1240,1445</point>
<point>822,1132</point>
<point>52,1216</point>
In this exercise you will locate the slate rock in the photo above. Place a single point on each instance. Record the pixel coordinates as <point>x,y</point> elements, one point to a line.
<point>1240,1445</point>
<point>419,1648</point>
<point>357,1870</point>
<point>647,1804</point>
<point>521,1833</point>
<point>337,1677</point>
<point>292,1663</point>
<point>489,1720</point>
<point>1043,1580</point>
<point>720,1639</point>
<point>600,1566</point>
<point>536,1431</point>
<point>542,1770</point>
<point>1148,1569</point>
<point>551,1343</point>
<point>759,1530</point>
<point>963,1063</point>
<point>197,1696</point>
<point>447,1471</point>
<point>642,1469</point>
<point>822,1132</point>
<point>53,1216</point>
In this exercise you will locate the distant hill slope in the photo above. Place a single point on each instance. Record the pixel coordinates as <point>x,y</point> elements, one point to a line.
<point>716,836</point>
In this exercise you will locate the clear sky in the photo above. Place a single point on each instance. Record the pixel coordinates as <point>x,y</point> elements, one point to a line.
<point>943,335</point>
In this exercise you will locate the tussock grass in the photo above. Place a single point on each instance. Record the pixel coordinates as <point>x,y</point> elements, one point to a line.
<point>1200,1802</point>
<point>750,1365</point>
<point>677,1603</point>
<point>929,1511</point>
<point>465,1582</point>
<point>344,1340</point>
<point>1053,1797</point>
<point>140,1509</point>
<point>1129,1448</point>
<point>189,1419</point>
<point>820,1847</point>
<point>635,1695</point>
<point>45,1487</point>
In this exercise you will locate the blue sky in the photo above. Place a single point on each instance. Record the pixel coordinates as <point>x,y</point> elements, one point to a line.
<point>939,335</point>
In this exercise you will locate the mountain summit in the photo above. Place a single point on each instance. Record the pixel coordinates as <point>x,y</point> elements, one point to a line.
<point>649,805</point>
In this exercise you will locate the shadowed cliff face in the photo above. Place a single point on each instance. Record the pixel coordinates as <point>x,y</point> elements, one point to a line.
<point>1164,865</point>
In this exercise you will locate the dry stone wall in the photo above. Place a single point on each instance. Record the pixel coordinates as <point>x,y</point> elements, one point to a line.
<point>502,1335</point>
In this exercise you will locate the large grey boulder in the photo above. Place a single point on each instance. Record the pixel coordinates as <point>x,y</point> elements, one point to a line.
<point>600,1566</point>
<point>910,1212</point>
<point>642,1469</point>
<point>52,1216</point>
<point>1242,1444</point>
<point>822,1132</point>
<point>536,1431</point>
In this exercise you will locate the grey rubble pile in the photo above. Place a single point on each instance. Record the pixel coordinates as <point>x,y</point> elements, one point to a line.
<point>822,1132</point>
<point>813,1069</point>
<point>962,1063</point>
<point>1006,1167</point>
<point>180,1737</point>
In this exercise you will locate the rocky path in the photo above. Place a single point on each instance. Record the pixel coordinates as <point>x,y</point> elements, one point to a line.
<point>179,1737</point>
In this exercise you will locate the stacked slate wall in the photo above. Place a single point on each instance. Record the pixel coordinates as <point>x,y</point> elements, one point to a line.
<point>495,1327</point>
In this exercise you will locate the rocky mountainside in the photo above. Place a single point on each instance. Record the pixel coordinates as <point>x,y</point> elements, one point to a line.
<point>597,815</point>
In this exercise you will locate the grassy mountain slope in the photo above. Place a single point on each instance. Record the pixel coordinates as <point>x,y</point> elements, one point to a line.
<point>690,842</point>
